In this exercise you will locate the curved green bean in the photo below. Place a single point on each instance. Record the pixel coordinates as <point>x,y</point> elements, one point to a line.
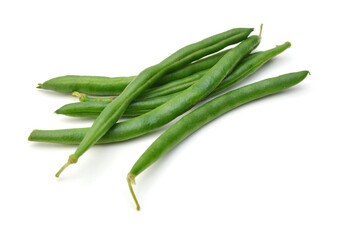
<point>206,113</point>
<point>114,110</point>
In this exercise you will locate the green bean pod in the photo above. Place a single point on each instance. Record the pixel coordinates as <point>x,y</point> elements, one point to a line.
<point>95,85</point>
<point>110,86</point>
<point>115,109</point>
<point>246,67</point>
<point>206,113</point>
<point>161,115</point>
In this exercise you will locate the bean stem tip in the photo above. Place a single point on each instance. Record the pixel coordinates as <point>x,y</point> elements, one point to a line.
<point>261,26</point>
<point>62,168</point>
<point>71,160</point>
<point>75,94</point>
<point>80,96</point>
<point>131,180</point>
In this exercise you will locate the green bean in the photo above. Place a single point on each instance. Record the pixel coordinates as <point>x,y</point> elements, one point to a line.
<point>105,86</point>
<point>111,113</point>
<point>246,67</point>
<point>206,113</point>
<point>95,85</point>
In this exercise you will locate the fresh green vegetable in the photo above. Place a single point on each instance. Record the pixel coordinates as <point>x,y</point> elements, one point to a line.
<point>246,67</point>
<point>124,130</point>
<point>206,113</point>
<point>95,85</point>
<point>113,111</point>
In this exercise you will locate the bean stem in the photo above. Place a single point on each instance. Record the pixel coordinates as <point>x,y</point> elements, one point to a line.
<point>79,95</point>
<point>62,168</point>
<point>71,160</point>
<point>82,97</point>
<point>131,180</point>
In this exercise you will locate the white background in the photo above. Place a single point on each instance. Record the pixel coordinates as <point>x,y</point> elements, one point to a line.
<point>266,170</point>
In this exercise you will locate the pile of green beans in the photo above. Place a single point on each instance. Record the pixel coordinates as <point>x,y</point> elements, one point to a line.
<point>115,109</point>
<point>161,93</point>
<point>91,107</point>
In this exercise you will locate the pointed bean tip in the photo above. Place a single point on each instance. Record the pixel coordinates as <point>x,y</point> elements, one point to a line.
<point>131,180</point>
<point>30,136</point>
<point>57,111</point>
<point>261,26</point>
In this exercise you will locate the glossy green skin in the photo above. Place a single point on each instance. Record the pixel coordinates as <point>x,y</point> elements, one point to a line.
<point>210,111</point>
<point>107,86</point>
<point>95,85</point>
<point>166,112</point>
<point>115,109</point>
<point>246,67</point>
